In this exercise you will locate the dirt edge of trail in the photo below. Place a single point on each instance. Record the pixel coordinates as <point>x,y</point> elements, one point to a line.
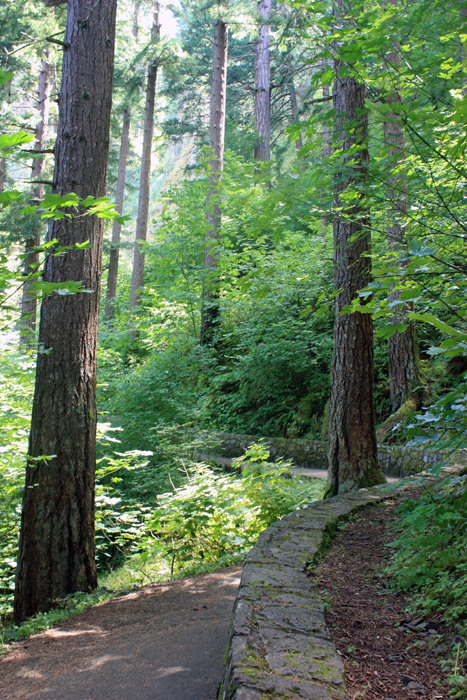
<point>387,654</point>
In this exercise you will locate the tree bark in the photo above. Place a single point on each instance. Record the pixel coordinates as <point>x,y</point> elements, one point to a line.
<point>210,308</point>
<point>293,103</point>
<point>2,174</point>
<point>463,48</point>
<point>116,228</point>
<point>27,324</point>
<point>56,549</point>
<point>263,86</point>
<point>135,18</point>
<point>119,194</point>
<point>137,277</point>
<point>327,149</point>
<point>352,452</point>
<point>404,354</point>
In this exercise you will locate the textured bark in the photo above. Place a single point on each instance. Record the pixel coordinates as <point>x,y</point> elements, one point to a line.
<point>293,103</point>
<point>405,377</point>
<point>403,348</point>
<point>263,86</point>
<point>352,453</point>
<point>56,548</point>
<point>463,47</point>
<point>116,227</point>
<point>135,18</point>
<point>327,147</point>
<point>142,220</point>
<point>119,194</point>
<point>210,309</point>
<point>2,173</point>
<point>27,324</point>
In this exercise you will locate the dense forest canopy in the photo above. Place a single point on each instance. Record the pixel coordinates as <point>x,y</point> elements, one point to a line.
<point>272,199</point>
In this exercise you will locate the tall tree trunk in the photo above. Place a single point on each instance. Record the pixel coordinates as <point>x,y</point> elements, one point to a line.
<point>352,453</point>
<point>27,324</point>
<point>119,194</point>
<point>135,18</point>
<point>403,348</point>
<point>2,174</point>
<point>210,309</point>
<point>137,277</point>
<point>263,86</point>
<point>463,47</point>
<point>116,228</point>
<point>327,149</point>
<point>293,102</point>
<point>56,548</point>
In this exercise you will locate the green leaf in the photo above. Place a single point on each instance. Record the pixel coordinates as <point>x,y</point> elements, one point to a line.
<point>444,327</point>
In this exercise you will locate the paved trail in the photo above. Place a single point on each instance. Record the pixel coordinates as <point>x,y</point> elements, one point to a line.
<point>162,642</point>
<point>302,471</point>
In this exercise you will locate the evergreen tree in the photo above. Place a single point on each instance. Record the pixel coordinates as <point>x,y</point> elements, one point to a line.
<point>56,549</point>
<point>404,356</point>
<point>352,451</point>
<point>263,85</point>
<point>142,222</point>
<point>120,186</point>
<point>210,310</point>
<point>31,264</point>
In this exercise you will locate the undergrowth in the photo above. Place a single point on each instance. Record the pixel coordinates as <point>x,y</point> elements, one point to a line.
<point>208,520</point>
<point>429,562</point>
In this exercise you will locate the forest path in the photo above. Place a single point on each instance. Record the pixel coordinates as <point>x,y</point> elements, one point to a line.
<point>165,641</point>
<point>301,471</point>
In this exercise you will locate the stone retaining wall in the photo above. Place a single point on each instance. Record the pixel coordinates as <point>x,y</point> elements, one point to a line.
<point>396,460</point>
<point>279,645</point>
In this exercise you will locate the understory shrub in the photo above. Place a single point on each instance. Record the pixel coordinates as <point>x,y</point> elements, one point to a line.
<point>430,554</point>
<point>429,562</point>
<point>17,383</point>
<point>217,514</point>
<point>208,515</point>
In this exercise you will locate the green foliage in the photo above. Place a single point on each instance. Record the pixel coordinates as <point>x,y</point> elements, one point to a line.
<point>53,206</point>
<point>157,514</point>
<point>429,561</point>
<point>158,511</point>
<point>16,382</point>
<point>430,555</point>
<point>167,388</point>
<point>218,514</point>
<point>207,523</point>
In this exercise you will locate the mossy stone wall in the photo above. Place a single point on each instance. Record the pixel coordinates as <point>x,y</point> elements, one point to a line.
<point>396,460</point>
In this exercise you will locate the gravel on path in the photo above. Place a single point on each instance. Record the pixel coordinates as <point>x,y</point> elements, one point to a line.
<point>165,641</point>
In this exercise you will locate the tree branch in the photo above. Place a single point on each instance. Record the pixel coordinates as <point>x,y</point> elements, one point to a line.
<point>65,44</point>
<point>34,150</point>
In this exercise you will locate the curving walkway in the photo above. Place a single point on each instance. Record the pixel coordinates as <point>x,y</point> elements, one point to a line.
<point>279,644</point>
<point>161,642</point>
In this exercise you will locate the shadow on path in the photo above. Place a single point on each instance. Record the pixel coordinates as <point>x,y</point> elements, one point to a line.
<point>162,642</point>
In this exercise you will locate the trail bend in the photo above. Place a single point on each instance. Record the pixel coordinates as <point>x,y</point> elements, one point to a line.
<point>164,641</point>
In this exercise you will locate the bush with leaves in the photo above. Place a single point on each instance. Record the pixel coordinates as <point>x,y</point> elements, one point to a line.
<point>216,515</point>
<point>430,555</point>
<point>429,562</point>
<point>17,383</point>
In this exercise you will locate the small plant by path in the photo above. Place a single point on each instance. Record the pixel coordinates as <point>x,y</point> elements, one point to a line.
<point>207,523</point>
